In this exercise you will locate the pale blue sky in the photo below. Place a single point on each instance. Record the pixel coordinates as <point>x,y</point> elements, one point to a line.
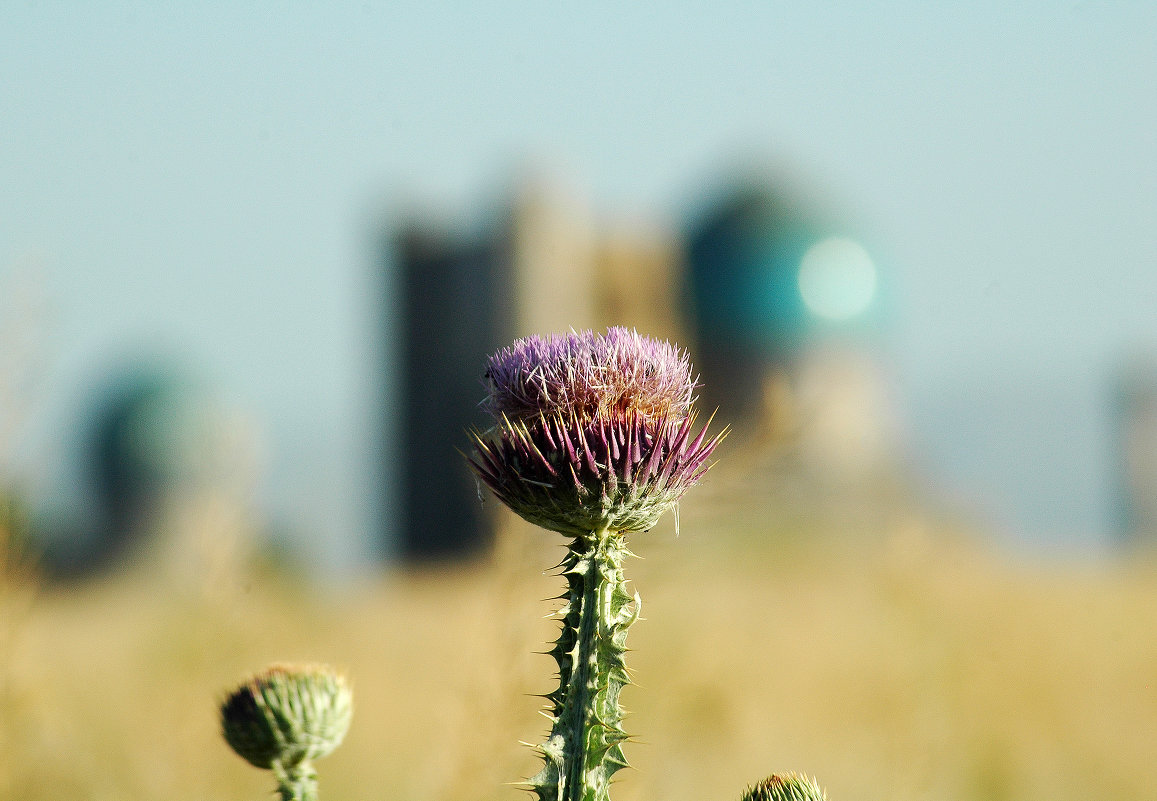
<point>211,179</point>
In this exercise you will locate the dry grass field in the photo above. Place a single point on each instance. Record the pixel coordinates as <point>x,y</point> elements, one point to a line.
<point>910,665</point>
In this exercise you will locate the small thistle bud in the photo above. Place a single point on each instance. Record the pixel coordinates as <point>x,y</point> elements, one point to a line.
<point>592,431</point>
<point>287,715</point>
<point>786,787</point>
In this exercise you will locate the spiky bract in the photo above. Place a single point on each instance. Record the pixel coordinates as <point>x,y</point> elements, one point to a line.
<point>575,477</point>
<point>593,431</point>
<point>786,787</point>
<point>287,715</point>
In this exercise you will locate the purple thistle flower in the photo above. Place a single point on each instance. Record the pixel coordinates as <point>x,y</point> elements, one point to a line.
<point>592,431</point>
<point>589,375</point>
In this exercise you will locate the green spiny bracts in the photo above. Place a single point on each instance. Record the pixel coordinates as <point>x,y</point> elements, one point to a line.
<point>786,787</point>
<point>584,748</point>
<point>284,718</point>
<point>594,436</point>
<point>574,477</point>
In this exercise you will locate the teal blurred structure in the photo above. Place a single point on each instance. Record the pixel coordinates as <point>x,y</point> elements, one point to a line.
<point>165,474</point>
<point>769,280</point>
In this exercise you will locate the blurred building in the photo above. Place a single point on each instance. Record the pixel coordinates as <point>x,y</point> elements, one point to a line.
<point>1135,426</point>
<point>640,281</point>
<point>778,305</point>
<point>169,473</point>
<point>454,309</point>
<point>785,306</point>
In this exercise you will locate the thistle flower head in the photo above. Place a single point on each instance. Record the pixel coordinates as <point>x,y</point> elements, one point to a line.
<point>287,715</point>
<point>589,375</point>
<point>785,787</point>
<point>592,431</point>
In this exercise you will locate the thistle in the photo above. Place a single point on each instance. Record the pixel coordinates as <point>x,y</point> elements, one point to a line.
<point>785,787</point>
<point>284,718</point>
<point>594,437</point>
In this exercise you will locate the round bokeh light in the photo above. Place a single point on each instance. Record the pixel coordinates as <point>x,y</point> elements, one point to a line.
<point>837,279</point>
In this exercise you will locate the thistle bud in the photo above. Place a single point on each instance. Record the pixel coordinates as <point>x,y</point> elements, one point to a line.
<point>287,715</point>
<point>592,431</point>
<point>786,787</point>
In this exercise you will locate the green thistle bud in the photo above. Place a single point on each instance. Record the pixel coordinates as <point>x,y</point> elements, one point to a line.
<point>785,787</point>
<point>286,716</point>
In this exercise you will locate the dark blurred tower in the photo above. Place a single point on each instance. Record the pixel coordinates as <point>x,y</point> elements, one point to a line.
<point>450,317</point>
<point>131,460</point>
<point>1135,427</point>
<point>132,464</point>
<point>462,295</point>
<point>169,471</point>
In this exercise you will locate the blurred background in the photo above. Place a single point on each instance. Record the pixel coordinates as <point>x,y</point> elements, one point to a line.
<point>252,260</point>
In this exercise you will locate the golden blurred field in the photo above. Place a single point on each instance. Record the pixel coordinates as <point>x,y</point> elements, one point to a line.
<point>916,664</point>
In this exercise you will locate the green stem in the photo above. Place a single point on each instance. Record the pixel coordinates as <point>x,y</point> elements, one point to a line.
<point>297,783</point>
<point>585,745</point>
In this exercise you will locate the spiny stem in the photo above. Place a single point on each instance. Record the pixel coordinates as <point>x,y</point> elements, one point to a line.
<point>297,783</point>
<point>585,745</point>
